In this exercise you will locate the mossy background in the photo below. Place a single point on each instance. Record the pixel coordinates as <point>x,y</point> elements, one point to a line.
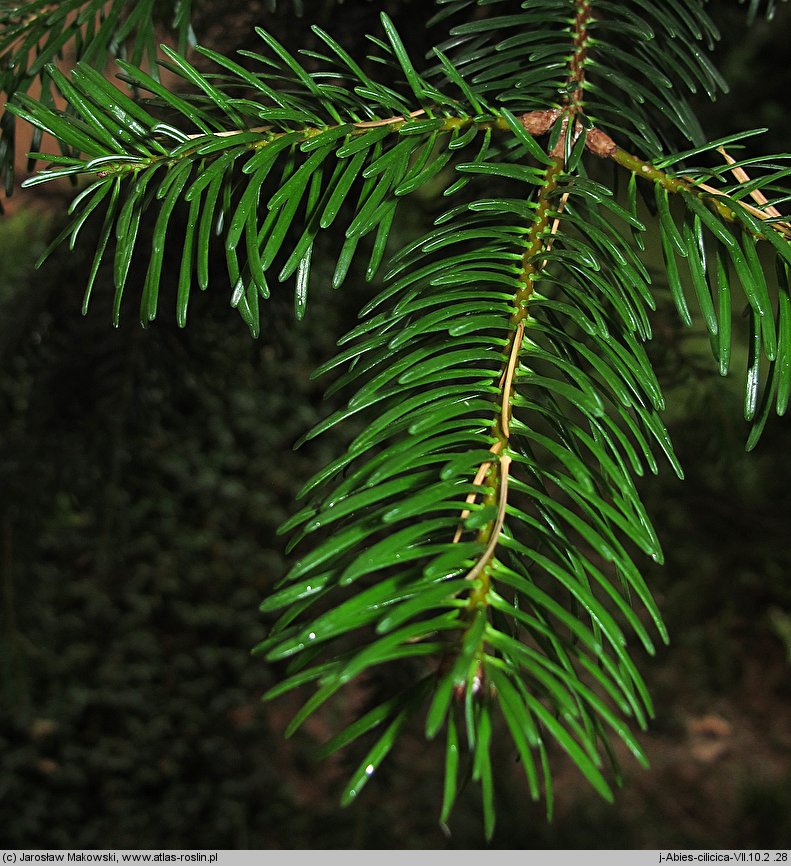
<point>143,475</point>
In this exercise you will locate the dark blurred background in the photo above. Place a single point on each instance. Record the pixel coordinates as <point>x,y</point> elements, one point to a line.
<point>143,475</point>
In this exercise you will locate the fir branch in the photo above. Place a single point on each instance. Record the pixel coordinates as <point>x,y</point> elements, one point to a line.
<point>536,242</point>
<point>497,475</point>
<point>718,202</point>
<point>481,527</point>
<point>573,99</point>
<point>35,35</point>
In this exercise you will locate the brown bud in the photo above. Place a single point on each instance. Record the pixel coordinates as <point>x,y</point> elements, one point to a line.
<point>600,143</point>
<point>539,122</point>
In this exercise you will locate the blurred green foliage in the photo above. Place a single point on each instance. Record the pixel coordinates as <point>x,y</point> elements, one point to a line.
<point>143,476</point>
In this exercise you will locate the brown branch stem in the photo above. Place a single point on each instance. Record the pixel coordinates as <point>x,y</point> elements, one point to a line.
<point>539,241</point>
<point>756,195</point>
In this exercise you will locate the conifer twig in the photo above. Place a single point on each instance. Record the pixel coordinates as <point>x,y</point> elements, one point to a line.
<point>756,195</point>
